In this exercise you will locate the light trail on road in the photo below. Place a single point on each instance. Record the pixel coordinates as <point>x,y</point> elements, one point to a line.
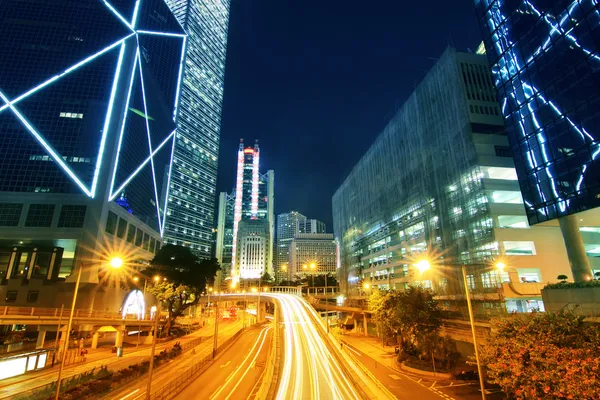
<point>310,370</point>
<point>249,365</point>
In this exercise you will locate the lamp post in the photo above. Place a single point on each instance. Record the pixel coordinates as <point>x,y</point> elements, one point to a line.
<point>423,266</point>
<point>116,263</point>
<point>216,334</point>
<point>152,351</point>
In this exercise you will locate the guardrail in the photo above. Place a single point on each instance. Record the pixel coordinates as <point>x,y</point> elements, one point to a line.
<point>176,386</point>
<point>7,311</point>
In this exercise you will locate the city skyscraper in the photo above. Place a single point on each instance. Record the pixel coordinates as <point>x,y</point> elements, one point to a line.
<point>89,95</point>
<point>191,205</point>
<point>312,226</point>
<point>544,62</point>
<point>439,183</point>
<point>251,200</point>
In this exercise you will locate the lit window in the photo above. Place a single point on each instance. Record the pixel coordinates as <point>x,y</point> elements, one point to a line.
<point>505,196</point>
<point>512,221</point>
<point>507,174</point>
<point>524,248</point>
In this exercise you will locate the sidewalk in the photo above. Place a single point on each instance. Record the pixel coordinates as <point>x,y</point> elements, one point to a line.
<point>372,347</point>
<point>95,359</point>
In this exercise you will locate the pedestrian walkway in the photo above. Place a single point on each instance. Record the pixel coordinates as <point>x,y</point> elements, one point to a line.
<point>94,359</point>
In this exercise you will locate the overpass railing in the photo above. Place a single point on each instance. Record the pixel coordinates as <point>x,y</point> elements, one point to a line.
<point>295,290</point>
<point>7,311</point>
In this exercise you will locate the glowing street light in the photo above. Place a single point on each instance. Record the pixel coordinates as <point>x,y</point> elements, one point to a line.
<point>254,290</point>
<point>116,262</point>
<point>136,279</point>
<point>423,266</point>
<point>156,278</point>
<point>500,265</point>
<point>366,286</point>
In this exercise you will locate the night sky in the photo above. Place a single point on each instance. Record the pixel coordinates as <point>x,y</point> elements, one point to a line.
<point>316,81</point>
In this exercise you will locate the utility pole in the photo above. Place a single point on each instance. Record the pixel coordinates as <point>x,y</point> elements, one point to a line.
<point>472,320</point>
<point>216,334</point>
<point>150,369</point>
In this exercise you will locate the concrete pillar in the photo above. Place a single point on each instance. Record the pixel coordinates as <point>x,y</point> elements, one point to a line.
<point>365,325</point>
<point>61,342</point>
<point>95,338</point>
<point>119,338</point>
<point>40,339</point>
<point>580,265</point>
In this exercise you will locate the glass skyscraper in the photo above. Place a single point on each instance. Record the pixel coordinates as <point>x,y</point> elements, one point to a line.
<point>190,211</point>
<point>89,92</point>
<point>545,63</point>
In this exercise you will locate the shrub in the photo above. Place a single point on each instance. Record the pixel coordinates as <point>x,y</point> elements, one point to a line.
<point>544,356</point>
<point>575,285</point>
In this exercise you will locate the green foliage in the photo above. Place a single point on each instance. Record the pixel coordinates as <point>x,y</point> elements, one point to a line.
<point>573,285</point>
<point>562,278</point>
<point>407,314</point>
<point>266,279</point>
<point>414,318</point>
<point>187,277</point>
<point>544,356</point>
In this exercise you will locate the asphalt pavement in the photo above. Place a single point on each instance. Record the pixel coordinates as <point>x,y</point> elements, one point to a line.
<point>235,373</point>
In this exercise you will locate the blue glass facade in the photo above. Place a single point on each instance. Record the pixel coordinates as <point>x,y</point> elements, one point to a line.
<point>88,100</point>
<point>545,61</point>
<point>192,192</point>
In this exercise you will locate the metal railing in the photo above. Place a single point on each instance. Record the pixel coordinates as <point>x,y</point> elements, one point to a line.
<point>172,388</point>
<point>55,313</point>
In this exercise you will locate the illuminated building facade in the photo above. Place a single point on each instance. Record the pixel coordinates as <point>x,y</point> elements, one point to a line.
<point>545,59</point>
<point>252,200</point>
<point>89,93</point>
<point>191,207</point>
<point>288,226</point>
<point>440,182</point>
<point>307,249</point>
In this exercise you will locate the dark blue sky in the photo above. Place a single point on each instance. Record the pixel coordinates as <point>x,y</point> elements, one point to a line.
<point>316,81</point>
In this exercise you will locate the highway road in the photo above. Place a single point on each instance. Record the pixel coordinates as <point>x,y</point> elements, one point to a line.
<point>25,383</point>
<point>310,370</point>
<point>171,371</point>
<point>235,373</point>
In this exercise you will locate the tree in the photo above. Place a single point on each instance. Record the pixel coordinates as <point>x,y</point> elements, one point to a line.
<point>544,356</point>
<point>187,277</point>
<point>266,278</point>
<point>408,315</point>
<point>562,278</point>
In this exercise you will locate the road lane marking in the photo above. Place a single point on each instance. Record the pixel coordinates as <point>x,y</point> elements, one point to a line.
<point>130,394</point>
<point>395,377</point>
<point>230,377</point>
<point>226,364</point>
<point>352,350</point>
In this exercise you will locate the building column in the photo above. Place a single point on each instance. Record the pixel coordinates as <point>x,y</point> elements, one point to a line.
<point>95,338</point>
<point>40,339</point>
<point>119,338</point>
<point>580,265</point>
<point>365,325</point>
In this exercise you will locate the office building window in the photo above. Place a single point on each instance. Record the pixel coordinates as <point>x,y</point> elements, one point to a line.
<point>42,263</point>
<point>10,213</point>
<point>502,173</point>
<point>72,216</point>
<point>40,215</point>
<point>139,236</point>
<point>131,234</point>
<point>523,248</point>
<point>121,228</point>
<point>503,151</point>
<point>512,221</point>
<point>4,260</point>
<point>111,223</point>
<point>32,296</point>
<point>505,196</point>
<point>11,296</point>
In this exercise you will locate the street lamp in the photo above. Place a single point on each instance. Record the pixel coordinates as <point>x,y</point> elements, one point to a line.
<point>115,263</point>
<point>423,266</point>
